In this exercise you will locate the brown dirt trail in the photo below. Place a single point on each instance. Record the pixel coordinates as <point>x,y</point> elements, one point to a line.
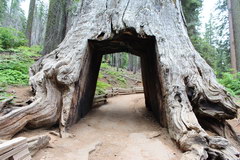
<point>121,130</point>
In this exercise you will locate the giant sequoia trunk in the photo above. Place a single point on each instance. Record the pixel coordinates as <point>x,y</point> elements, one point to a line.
<point>179,86</point>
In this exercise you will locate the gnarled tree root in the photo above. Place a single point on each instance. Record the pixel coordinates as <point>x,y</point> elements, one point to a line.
<point>196,107</point>
<point>179,86</point>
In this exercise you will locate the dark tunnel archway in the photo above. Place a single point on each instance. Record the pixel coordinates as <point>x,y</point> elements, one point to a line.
<point>126,41</point>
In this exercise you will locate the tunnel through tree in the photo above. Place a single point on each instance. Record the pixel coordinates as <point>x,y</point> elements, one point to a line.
<point>180,87</point>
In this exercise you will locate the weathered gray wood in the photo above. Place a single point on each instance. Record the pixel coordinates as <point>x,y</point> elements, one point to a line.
<point>37,143</point>
<point>124,91</point>
<point>133,79</point>
<point>9,145</point>
<point>22,155</point>
<point>4,103</point>
<point>16,149</point>
<point>179,86</point>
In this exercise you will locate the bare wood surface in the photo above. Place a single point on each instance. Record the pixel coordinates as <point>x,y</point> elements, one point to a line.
<point>16,149</point>
<point>180,87</point>
<point>37,143</point>
<point>4,103</point>
<point>9,145</point>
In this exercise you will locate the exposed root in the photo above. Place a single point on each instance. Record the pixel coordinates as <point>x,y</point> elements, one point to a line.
<point>42,112</point>
<point>212,106</point>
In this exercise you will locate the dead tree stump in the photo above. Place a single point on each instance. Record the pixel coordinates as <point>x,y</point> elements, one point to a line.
<point>180,87</point>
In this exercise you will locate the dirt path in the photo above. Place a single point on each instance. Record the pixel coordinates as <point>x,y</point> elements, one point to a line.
<point>120,130</point>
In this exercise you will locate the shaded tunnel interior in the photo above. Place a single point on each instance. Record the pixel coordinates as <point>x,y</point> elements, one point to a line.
<point>127,41</point>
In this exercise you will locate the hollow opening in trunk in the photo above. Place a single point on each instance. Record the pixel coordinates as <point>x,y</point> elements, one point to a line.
<point>130,42</point>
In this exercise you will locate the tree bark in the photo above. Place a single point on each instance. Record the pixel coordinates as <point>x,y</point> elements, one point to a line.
<point>130,62</point>
<point>30,21</point>
<point>180,88</point>
<point>234,20</point>
<point>39,24</point>
<point>56,25</point>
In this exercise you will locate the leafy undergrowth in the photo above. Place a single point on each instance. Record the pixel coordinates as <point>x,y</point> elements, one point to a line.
<point>231,82</point>
<point>11,38</point>
<point>109,77</point>
<point>14,68</point>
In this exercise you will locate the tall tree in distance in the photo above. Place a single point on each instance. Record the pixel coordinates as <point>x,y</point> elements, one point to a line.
<point>56,25</point>
<point>191,9</point>
<point>39,23</point>
<point>220,38</point>
<point>30,21</point>
<point>234,14</point>
<point>3,10</point>
<point>209,33</point>
<point>12,15</point>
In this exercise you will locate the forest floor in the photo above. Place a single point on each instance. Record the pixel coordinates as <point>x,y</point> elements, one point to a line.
<point>122,129</point>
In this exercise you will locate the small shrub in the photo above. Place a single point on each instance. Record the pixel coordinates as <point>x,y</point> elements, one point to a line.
<point>30,51</point>
<point>12,77</point>
<point>105,66</point>
<point>100,75</point>
<point>14,68</point>
<point>121,79</point>
<point>231,82</point>
<point>11,38</point>
<point>1,49</point>
<point>101,87</point>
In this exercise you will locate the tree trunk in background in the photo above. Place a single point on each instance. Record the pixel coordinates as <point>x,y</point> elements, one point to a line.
<point>234,19</point>
<point>118,59</point>
<point>56,25</point>
<point>138,63</point>
<point>73,8</point>
<point>30,21</point>
<point>3,11</point>
<point>135,64</point>
<point>39,24</point>
<point>180,88</point>
<point>130,62</point>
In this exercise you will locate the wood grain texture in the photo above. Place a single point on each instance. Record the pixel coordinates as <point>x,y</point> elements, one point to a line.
<point>180,87</point>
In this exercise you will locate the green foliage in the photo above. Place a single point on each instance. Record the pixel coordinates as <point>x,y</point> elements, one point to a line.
<point>207,51</point>
<point>101,87</point>
<point>14,67</point>
<point>114,78</point>
<point>104,66</point>
<point>214,47</point>
<point>3,10</point>
<point>191,9</point>
<point>12,15</point>
<point>30,51</point>
<point>4,95</point>
<point>121,79</point>
<point>13,76</point>
<point>222,36</point>
<point>125,60</point>
<point>11,38</point>
<point>231,82</point>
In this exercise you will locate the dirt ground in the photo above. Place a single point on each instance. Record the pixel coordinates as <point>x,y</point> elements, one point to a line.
<point>23,93</point>
<point>121,130</point>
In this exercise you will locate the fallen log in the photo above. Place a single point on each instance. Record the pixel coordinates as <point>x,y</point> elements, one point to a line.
<point>132,79</point>
<point>100,99</point>
<point>22,148</point>
<point>124,91</point>
<point>16,149</point>
<point>37,143</point>
<point>5,102</point>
